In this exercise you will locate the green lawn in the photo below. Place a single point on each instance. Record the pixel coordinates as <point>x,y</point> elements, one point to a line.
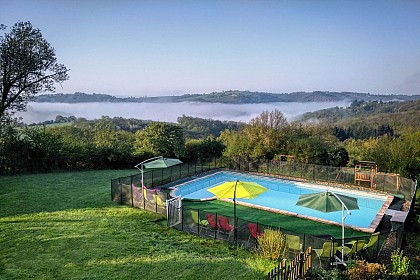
<point>64,226</point>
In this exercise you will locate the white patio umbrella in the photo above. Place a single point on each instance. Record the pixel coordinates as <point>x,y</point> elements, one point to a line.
<point>156,162</point>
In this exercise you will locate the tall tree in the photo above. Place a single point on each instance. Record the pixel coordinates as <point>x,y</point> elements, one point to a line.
<point>274,120</point>
<point>160,138</point>
<point>28,65</point>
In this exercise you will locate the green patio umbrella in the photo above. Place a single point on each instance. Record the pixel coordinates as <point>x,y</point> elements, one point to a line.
<point>156,162</point>
<point>162,163</point>
<point>327,201</point>
<point>330,202</point>
<point>237,189</point>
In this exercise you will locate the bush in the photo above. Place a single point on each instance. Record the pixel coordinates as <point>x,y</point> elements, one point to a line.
<point>366,271</point>
<point>271,245</point>
<point>322,274</point>
<point>399,263</point>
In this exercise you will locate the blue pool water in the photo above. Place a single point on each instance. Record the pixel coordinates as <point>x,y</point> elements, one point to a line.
<point>283,195</point>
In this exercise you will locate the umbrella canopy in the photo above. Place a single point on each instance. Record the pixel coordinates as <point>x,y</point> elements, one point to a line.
<point>156,162</point>
<point>243,190</point>
<point>237,189</point>
<point>327,201</point>
<point>162,163</point>
<point>330,202</point>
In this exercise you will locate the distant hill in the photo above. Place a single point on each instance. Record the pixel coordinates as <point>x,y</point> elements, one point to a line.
<point>231,97</point>
<point>362,113</point>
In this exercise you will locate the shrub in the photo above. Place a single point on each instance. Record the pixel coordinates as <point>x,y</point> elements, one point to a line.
<point>366,271</point>
<point>271,244</point>
<point>399,263</point>
<point>322,274</point>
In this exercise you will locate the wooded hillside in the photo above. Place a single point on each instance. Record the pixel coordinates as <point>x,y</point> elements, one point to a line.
<point>231,96</point>
<point>387,133</point>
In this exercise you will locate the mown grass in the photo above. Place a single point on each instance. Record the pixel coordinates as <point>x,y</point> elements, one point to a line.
<point>64,226</point>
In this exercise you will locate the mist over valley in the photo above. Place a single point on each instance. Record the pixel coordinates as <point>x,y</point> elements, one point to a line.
<point>169,112</point>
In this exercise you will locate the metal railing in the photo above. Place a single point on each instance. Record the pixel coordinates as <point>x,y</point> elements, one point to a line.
<point>384,182</point>
<point>206,224</point>
<point>127,191</point>
<point>152,200</point>
<point>340,176</point>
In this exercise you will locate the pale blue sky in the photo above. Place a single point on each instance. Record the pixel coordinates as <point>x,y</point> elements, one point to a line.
<point>173,47</point>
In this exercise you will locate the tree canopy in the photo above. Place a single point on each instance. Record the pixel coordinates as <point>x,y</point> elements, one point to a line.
<point>28,66</point>
<point>160,138</point>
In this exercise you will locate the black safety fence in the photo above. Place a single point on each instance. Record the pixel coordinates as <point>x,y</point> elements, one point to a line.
<point>339,176</point>
<point>126,193</point>
<point>386,182</point>
<point>129,191</point>
<point>326,249</point>
<point>158,177</point>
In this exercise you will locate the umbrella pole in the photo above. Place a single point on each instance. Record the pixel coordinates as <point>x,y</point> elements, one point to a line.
<point>142,166</point>
<point>342,233</point>
<point>142,188</point>
<point>235,230</point>
<point>142,185</point>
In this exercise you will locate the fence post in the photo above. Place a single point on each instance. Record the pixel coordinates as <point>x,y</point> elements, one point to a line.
<point>328,173</point>
<point>377,248</point>
<point>182,219</point>
<point>301,262</point>
<point>310,259</point>
<point>131,187</point>
<point>313,175</point>
<point>215,232</point>
<point>198,223</point>
<point>279,164</point>
<point>301,172</point>
<point>121,193</point>
<point>168,212</point>
<point>283,270</point>
<point>144,193</point>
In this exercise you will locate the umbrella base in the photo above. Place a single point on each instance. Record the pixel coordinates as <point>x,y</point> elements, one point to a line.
<point>339,261</point>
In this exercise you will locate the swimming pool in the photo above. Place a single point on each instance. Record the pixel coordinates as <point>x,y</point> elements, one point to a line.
<point>283,195</point>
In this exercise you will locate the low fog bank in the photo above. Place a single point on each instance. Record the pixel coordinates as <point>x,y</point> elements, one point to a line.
<point>169,112</point>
